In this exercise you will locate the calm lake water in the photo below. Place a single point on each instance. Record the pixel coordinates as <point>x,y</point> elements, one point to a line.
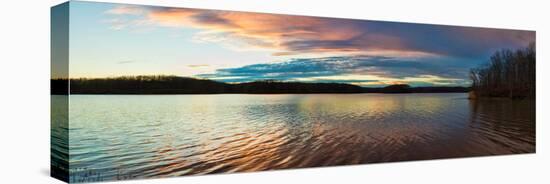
<point>145,136</point>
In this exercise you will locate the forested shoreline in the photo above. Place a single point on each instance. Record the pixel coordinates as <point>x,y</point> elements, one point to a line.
<point>160,84</point>
<point>508,73</point>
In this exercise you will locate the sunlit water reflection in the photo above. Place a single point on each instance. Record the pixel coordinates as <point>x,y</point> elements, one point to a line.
<point>144,136</point>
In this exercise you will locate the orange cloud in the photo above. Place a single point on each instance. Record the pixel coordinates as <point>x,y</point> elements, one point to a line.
<point>267,31</point>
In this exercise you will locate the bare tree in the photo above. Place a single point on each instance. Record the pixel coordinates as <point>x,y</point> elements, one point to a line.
<point>508,73</point>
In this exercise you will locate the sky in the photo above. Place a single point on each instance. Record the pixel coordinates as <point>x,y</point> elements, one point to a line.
<point>110,40</point>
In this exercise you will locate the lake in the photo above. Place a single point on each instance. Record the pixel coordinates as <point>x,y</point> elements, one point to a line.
<point>148,136</point>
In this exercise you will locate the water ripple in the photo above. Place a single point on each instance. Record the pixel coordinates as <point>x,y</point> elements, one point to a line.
<point>133,136</point>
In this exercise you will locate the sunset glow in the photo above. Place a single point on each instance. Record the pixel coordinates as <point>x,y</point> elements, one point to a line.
<point>115,40</point>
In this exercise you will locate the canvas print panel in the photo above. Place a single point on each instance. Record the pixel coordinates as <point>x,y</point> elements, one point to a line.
<point>147,92</point>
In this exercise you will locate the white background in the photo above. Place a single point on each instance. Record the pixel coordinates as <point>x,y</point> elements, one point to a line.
<point>24,88</point>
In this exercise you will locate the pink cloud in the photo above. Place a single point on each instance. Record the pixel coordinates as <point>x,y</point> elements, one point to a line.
<point>290,35</point>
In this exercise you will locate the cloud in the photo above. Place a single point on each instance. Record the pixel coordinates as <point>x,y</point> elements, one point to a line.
<point>198,66</point>
<point>127,9</point>
<point>375,80</point>
<point>333,50</point>
<point>292,35</point>
<point>360,70</point>
<point>126,62</point>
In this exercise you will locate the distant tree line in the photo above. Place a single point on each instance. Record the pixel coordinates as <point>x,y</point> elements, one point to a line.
<point>59,86</point>
<point>508,73</point>
<point>272,86</point>
<point>161,84</point>
<point>151,84</point>
<point>405,88</point>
